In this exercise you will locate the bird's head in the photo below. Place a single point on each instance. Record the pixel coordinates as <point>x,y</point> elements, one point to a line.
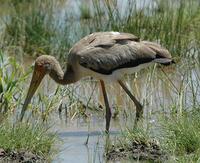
<point>43,65</point>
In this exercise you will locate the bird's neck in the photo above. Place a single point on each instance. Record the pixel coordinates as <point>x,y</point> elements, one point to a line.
<point>61,77</point>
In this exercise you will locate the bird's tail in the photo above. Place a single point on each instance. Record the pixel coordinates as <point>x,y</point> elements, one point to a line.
<point>164,61</point>
<point>163,56</point>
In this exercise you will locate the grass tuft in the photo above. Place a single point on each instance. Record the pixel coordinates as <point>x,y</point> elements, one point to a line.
<point>182,134</point>
<point>27,137</point>
<point>136,144</point>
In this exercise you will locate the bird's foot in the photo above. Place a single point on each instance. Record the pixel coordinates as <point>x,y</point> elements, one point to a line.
<point>139,111</point>
<point>108,118</point>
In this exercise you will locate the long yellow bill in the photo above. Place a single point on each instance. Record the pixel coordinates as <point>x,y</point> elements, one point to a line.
<point>35,82</point>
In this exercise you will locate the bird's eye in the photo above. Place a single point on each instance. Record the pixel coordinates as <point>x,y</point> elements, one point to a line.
<point>47,67</point>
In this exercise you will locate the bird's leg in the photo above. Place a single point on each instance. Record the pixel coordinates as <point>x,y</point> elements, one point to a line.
<point>108,110</point>
<point>139,107</point>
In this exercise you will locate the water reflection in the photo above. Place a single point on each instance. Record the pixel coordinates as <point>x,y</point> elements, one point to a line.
<point>76,151</point>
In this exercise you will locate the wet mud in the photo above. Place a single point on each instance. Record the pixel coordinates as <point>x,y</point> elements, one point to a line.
<point>138,151</point>
<point>19,156</point>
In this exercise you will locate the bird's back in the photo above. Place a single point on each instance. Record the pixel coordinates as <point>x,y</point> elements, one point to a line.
<point>101,39</point>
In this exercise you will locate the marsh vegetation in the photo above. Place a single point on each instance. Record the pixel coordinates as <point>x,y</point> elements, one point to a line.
<point>170,94</point>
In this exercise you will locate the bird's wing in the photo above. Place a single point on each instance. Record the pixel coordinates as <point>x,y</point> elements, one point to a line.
<point>106,60</point>
<point>105,52</point>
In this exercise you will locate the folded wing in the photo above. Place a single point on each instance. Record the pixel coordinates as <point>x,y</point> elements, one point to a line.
<point>106,52</point>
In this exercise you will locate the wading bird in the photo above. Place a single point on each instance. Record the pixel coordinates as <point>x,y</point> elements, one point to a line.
<point>106,56</point>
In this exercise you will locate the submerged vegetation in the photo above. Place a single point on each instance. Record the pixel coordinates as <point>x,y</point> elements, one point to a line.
<point>33,28</point>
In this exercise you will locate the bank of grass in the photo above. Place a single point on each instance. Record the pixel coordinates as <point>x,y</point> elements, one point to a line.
<point>138,144</point>
<point>138,134</point>
<point>176,140</point>
<point>34,138</point>
<point>182,135</point>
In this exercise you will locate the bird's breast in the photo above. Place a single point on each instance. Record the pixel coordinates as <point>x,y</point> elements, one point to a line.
<point>114,76</point>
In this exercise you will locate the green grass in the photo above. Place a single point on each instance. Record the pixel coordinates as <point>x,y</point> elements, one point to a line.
<point>136,134</point>
<point>27,137</point>
<point>85,12</point>
<point>33,28</point>
<point>182,135</point>
<point>11,76</point>
<point>32,31</point>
